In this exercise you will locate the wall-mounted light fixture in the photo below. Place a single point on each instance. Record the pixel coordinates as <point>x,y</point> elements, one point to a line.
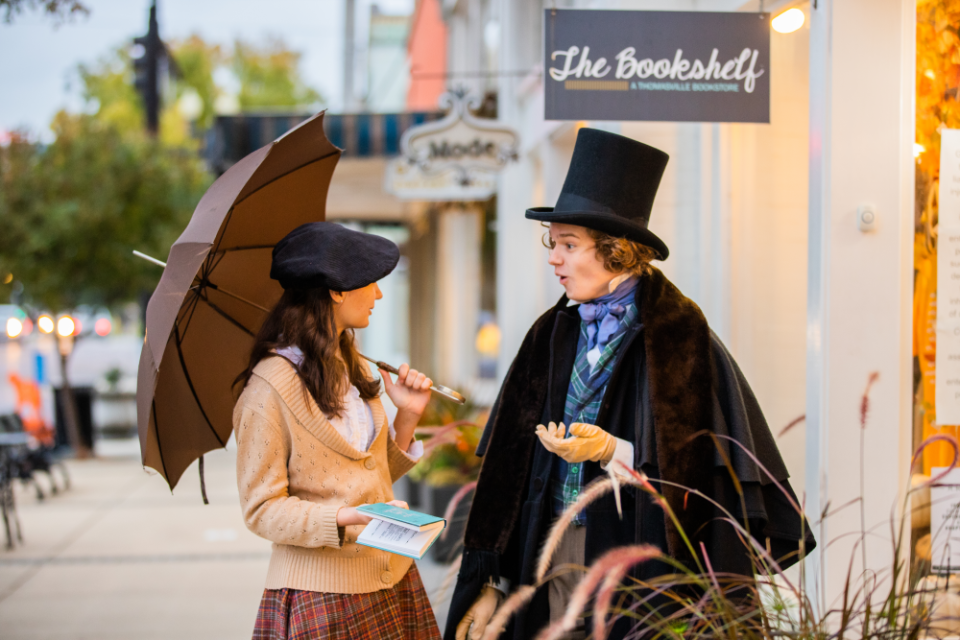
<point>788,21</point>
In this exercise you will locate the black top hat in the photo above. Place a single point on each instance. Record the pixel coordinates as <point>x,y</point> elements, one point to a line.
<point>330,256</point>
<point>610,187</point>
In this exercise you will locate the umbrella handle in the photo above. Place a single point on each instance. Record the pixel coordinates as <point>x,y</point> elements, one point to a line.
<point>446,392</point>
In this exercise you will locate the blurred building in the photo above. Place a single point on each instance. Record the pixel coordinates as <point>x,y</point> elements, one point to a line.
<point>761,221</point>
<point>427,53</point>
<point>439,308</point>
<point>389,71</point>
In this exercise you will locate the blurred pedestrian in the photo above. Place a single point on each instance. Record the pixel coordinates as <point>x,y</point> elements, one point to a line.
<point>314,443</point>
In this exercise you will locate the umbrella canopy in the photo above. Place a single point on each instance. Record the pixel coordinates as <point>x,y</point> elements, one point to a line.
<point>215,293</point>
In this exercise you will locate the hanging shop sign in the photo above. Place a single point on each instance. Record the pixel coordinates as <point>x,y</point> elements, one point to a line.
<point>453,159</point>
<point>678,66</point>
<point>947,384</point>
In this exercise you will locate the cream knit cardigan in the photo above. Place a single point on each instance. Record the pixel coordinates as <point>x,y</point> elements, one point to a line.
<point>295,471</point>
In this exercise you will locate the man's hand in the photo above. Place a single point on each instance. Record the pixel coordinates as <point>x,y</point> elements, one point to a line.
<point>478,616</point>
<point>591,442</point>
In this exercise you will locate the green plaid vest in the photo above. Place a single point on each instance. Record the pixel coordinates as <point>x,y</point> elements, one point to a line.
<point>584,395</point>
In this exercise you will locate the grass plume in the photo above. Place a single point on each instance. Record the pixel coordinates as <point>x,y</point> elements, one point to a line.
<point>593,491</point>
<point>694,603</point>
<point>505,611</point>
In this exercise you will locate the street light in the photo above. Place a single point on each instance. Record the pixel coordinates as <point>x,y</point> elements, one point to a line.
<point>45,323</point>
<point>66,326</point>
<point>14,327</point>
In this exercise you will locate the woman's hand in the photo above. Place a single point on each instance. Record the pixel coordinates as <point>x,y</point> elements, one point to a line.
<point>411,392</point>
<point>347,516</point>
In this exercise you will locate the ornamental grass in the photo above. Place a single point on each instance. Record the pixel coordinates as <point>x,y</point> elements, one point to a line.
<point>695,602</point>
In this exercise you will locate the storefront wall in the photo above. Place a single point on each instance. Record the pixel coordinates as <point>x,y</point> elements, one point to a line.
<point>860,284</point>
<point>732,207</point>
<point>761,221</point>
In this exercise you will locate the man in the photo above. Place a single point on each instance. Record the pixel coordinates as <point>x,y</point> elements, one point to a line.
<point>631,365</point>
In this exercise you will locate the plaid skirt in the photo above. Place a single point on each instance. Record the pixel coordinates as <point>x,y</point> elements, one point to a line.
<point>402,612</point>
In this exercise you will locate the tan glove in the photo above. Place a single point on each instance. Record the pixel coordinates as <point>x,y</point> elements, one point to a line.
<point>591,442</point>
<point>478,616</point>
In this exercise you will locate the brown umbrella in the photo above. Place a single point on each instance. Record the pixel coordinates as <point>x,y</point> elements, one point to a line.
<point>215,292</point>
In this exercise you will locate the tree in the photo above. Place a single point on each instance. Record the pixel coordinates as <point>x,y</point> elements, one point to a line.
<point>109,94</point>
<point>197,61</point>
<point>73,211</point>
<point>269,76</point>
<point>59,10</point>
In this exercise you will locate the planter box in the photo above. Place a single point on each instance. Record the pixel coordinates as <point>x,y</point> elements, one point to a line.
<point>115,414</point>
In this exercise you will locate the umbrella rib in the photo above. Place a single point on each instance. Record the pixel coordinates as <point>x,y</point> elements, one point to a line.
<point>228,317</point>
<point>186,374</point>
<point>217,259</point>
<point>237,297</point>
<point>223,229</point>
<point>249,247</point>
<point>226,223</point>
<point>283,175</point>
<point>156,429</point>
<point>195,302</point>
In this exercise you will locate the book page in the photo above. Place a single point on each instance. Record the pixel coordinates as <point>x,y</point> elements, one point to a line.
<point>394,538</point>
<point>383,531</point>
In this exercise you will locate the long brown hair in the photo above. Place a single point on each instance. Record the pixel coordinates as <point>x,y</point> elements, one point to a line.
<point>304,319</point>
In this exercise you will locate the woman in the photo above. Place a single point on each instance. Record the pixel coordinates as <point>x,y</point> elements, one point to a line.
<point>314,443</point>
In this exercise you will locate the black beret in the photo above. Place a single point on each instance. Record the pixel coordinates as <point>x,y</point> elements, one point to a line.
<point>330,256</point>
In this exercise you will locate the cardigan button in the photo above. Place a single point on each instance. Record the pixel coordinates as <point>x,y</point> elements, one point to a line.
<point>537,484</point>
<point>370,463</point>
<point>386,577</point>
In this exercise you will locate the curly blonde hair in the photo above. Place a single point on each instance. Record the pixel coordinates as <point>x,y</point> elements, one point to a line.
<point>619,255</point>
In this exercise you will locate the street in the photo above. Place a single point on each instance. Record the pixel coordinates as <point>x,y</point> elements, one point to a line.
<point>118,556</point>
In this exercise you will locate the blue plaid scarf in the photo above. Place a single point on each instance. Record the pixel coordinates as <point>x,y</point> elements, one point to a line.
<point>603,324</point>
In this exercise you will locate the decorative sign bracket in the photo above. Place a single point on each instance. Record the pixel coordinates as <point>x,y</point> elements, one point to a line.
<point>455,158</point>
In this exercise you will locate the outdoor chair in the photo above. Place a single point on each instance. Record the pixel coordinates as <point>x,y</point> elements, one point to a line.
<point>9,471</point>
<point>33,459</point>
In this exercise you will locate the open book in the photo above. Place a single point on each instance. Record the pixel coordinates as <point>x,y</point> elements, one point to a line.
<point>401,531</point>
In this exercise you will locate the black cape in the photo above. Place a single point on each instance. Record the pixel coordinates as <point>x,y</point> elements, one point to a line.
<point>673,379</point>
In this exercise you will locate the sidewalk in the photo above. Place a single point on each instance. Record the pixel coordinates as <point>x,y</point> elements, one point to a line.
<point>117,556</point>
